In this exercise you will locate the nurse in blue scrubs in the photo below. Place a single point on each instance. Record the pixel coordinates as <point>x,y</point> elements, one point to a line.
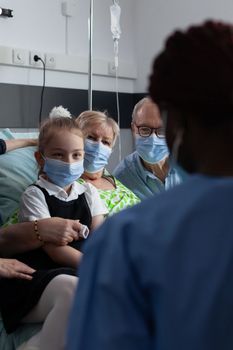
<point>160,275</point>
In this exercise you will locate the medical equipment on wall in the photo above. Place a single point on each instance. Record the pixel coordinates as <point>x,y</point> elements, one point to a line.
<point>115,12</point>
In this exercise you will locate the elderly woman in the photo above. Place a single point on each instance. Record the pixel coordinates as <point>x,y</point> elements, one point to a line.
<point>101,133</point>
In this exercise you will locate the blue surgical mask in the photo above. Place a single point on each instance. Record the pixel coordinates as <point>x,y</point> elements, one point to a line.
<point>96,156</point>
<point>151,149</point>
<point>62,173</point>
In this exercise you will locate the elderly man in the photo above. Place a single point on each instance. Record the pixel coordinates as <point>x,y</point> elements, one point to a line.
<point>147,170</point>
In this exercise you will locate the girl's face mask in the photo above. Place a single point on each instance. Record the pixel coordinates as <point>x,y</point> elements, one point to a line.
<point>151,149</point>
<point>96,156</point>
<point>62,173</point>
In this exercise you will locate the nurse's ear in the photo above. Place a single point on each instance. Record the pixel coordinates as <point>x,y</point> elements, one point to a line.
<point>39,159</point>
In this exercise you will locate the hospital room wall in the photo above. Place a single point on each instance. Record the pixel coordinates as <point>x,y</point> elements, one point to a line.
<point>40,26</point>
<point>155,19</point>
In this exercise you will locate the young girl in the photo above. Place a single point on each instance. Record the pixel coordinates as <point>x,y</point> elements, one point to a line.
<point>49,294</point>
<point>56,193</point>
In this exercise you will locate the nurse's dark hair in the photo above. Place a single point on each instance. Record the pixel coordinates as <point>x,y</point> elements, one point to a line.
<point>51,126</point>
<point>194,73</point>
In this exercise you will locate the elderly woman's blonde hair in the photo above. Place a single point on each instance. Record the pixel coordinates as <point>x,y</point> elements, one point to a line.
<point>93,119</point>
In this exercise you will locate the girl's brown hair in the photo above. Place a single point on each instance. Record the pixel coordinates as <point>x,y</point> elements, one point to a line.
<point>51,125</point>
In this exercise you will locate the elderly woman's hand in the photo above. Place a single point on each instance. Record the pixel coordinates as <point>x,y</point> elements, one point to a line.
<point>12,268</point>
<point>58,231</point>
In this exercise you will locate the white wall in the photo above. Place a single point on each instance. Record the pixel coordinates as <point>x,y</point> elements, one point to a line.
<point>155,19</point>
<point>39,25</point>
<point>145,24</point>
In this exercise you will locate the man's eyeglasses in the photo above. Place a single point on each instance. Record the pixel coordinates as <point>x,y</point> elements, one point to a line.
<point>145,131</point>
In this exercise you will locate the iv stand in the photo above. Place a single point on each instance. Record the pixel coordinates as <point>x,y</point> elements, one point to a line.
<point>90,68</point>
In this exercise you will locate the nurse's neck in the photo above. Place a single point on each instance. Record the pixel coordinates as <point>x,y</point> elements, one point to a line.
<point>212,152</point>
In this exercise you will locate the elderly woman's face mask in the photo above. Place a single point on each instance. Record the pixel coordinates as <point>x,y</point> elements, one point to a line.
<point>96,156</point>
<point>98,147</point>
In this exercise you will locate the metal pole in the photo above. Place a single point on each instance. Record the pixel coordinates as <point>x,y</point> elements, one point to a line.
<point>90,69</point>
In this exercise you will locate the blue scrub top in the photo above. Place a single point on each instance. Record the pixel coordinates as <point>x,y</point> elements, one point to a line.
<point>142,182</point>
<point>160,275</point>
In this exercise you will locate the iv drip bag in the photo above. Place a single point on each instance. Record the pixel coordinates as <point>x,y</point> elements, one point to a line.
<point>115,11</point>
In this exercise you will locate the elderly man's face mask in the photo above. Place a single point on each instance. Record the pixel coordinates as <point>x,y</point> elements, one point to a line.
<point>149,135</point>
<point>151,149</point>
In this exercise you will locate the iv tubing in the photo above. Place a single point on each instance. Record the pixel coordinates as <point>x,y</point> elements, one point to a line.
<point>90,69</point>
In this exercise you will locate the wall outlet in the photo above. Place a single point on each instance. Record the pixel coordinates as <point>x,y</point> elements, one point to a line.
<point>50,60</point>
<point>34,63</point>
<point>19,56</point>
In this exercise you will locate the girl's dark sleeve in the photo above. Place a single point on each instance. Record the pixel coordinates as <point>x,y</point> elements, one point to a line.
<point>2,146</point>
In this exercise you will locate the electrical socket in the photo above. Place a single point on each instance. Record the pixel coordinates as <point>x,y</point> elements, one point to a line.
<point>50,60</point>
<point>32,62</point>
<point>19,56</point>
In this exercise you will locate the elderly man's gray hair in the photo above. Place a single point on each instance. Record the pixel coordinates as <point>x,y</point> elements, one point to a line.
<point>139,105</point>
